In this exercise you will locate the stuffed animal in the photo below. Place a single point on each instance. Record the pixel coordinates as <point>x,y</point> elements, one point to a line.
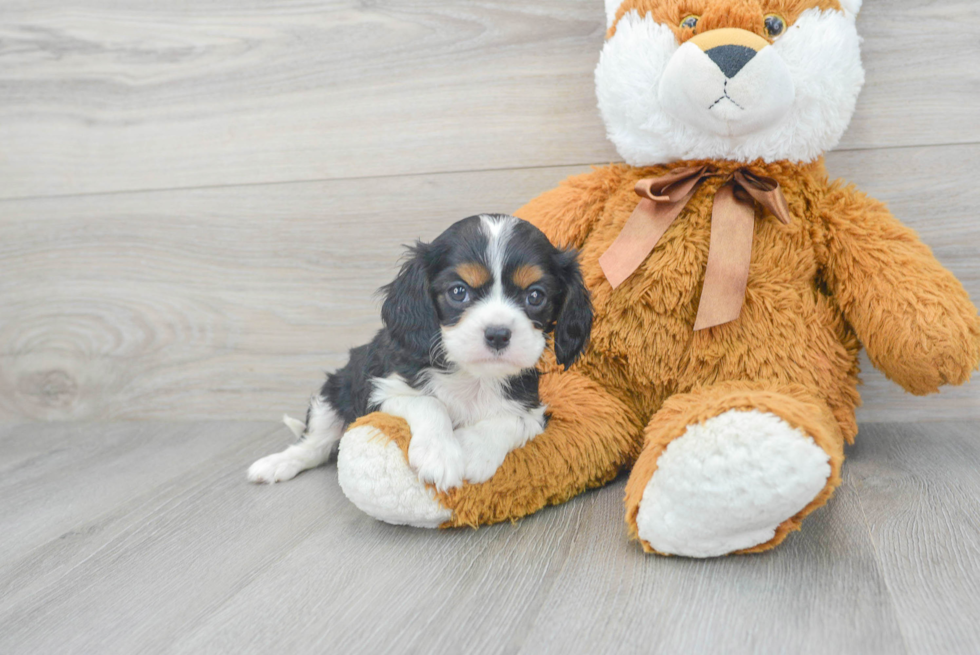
<point>733,285</point>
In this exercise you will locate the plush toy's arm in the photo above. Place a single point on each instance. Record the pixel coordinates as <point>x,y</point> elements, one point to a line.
<point>914,318</point>
<point>566,213</point>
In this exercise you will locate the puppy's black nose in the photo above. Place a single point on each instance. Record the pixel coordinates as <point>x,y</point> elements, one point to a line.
<point>497,337</point>
<point>731,58</point>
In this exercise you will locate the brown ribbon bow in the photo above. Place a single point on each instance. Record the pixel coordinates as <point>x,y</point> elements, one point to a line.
<point>732,228</point>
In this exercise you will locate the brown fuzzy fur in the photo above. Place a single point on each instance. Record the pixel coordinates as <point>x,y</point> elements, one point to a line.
<point>792,402</point>
<point>590,437</point>
<point>842,273</point>
<point>843,270</point>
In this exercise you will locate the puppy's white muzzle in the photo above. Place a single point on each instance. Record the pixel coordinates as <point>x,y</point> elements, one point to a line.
<point>475,344</point>
<point>728,82</point>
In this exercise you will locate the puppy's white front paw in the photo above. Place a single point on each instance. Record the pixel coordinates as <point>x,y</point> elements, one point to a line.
<point>480,468</point>
<point>275,468</point>
<point>438,460</point>
<point>482,456</point>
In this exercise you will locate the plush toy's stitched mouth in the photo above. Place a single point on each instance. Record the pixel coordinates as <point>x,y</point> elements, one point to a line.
<point>725,96</point>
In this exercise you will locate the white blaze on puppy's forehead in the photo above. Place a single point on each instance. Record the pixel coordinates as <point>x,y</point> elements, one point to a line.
<point>497,230</point>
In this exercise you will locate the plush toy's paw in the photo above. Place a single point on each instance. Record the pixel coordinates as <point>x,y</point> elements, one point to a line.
<point>437,459</point>
<point>375,476</point>
<point>278,467</point>
<point>482,456</point>
<point>727,484</point>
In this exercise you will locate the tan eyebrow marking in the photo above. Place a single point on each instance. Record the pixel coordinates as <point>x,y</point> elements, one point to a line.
<point>475,275</point>
<point>525,275</point>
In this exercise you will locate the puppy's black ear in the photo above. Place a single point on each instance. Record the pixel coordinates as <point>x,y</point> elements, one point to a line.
<point>574,322</point>
<point>409,311</point>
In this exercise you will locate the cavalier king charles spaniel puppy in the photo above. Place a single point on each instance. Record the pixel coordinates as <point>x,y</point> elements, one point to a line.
<point>465,323</point>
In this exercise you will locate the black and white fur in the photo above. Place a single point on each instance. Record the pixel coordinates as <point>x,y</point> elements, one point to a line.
<point>455,360</point>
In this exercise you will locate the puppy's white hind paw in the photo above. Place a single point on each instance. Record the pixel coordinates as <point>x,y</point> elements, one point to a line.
<point>275,468</point>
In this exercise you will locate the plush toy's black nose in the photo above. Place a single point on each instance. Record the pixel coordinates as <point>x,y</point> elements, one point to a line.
<point>731,58</point>
<point>497,337</point>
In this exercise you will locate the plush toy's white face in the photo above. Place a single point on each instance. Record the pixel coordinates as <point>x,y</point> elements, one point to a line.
<point>728,79</point>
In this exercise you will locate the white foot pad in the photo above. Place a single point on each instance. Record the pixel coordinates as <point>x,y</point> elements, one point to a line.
<point>374,475</point>
<point>728,483</point>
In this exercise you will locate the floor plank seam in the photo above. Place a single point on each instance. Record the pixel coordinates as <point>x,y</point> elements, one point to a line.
<point>553,577</point>
<point>435,173</point>
<point>312,180</point>
<point>880,566</point>
<point>125,532</point>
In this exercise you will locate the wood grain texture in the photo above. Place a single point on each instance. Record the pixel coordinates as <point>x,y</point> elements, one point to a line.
<point>230,303</point>
<point>920,491</point>
<point>145,537</point>
<point>68,489</point>
<point>104,95</point>
<point>206,233</point>
<point>824,581</point>
<point>175,304</point>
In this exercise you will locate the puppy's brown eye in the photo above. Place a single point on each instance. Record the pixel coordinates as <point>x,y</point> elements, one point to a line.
<point>535,297</point>
<point>775,25</point>
<point>690,22</point>
<point>458,293</point>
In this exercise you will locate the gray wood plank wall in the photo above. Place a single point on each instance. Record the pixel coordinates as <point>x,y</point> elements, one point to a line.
<point>197,200</point>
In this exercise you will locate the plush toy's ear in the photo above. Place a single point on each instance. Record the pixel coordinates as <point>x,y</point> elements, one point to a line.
<point>612,6</point>
<point>409,310</point>
<point>574,323</point>
<point>851,7</point>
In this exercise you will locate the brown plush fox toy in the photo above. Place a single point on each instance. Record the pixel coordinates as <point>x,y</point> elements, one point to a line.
<point>733,285</point>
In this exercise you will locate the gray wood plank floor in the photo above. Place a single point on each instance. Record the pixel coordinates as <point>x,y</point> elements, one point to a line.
<point>145,537</point>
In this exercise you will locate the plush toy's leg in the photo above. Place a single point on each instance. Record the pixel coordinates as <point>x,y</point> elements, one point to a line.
<point>372,469</point>
<point>589,438</point>
<point>732,468</point>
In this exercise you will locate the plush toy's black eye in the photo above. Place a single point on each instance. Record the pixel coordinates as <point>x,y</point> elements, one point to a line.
<point>690,22</point>
<point>458,293</point>
<point>775,25</point>
<point>535,297</point>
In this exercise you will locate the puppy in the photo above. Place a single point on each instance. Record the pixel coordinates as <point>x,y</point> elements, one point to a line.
<point>465,323</point>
